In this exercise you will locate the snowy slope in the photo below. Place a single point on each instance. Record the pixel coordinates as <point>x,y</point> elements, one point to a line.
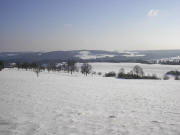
<point>61,104</point>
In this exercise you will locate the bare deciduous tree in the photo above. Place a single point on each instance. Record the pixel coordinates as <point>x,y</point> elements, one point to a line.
<point>1,65</point>
<point>122,71</point>
<point>51,66</point>
<point>137,70</point>
<point>71,65</point>
<point>86,68</point>
<point>37,71</point>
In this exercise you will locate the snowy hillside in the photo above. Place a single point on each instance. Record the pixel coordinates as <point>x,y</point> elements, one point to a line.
<point>92,55</point>
<point>62,104</point>
<point>133,54</point>
<point>87,55</point>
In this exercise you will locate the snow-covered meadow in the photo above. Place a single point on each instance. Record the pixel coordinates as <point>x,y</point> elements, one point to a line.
<point>151,69</point>
<point>63,104</point>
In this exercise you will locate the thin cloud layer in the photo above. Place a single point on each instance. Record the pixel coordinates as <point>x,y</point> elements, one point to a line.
<point>77,25</point>
<point>153,12</point>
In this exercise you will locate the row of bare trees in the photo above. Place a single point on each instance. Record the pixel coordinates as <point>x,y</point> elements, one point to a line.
<point>136,73</point>
<point>70,66</point>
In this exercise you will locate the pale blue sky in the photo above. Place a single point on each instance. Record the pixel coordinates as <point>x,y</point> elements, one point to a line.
<point>47,25</point>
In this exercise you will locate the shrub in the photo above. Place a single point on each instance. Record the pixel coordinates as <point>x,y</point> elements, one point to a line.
<point>130,75</point>
<point>154,77</point>
<point>110,74</point>
<point>176,77</point>
<point>93,73</point>
<point>121,75</point>
<point>173,73</point>
<point>166,77</point>
<point>99,73</point>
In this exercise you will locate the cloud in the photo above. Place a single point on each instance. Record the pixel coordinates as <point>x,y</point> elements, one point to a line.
<point>153,12</point>
<point>67,25</point>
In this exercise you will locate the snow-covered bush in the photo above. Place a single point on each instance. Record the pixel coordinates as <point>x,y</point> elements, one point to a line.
<point>99,73</point>
<point>166,77</point>
<point>176,77</point>
<point>110,74</point>
<point>173,73</point>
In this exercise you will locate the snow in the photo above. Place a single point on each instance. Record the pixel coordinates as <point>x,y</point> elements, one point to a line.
<point>87,55</point>
<point>133,54</point>
<point>63,104</point>
<point>11,54</point>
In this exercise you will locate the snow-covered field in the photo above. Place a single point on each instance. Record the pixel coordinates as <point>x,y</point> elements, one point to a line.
<point>157,69</point>
<point>62,104</point>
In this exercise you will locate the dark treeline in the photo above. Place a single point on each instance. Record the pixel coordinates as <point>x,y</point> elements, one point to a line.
<point>70,66</point>
<point>1,65</point>
<point>169,62</point>
<point>173,73</point>
<point>30,66</point>
<point>27,66</point>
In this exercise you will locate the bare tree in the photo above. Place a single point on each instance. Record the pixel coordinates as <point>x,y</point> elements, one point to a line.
<point>51,66</point>
<point>71,65</point>
<point>37,71</point>
<point>1,65</point>
<point>122,71</point>
<point>86,68</point>
<point>137,70</point>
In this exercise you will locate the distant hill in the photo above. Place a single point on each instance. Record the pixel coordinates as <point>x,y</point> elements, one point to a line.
<point>88,55</point>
